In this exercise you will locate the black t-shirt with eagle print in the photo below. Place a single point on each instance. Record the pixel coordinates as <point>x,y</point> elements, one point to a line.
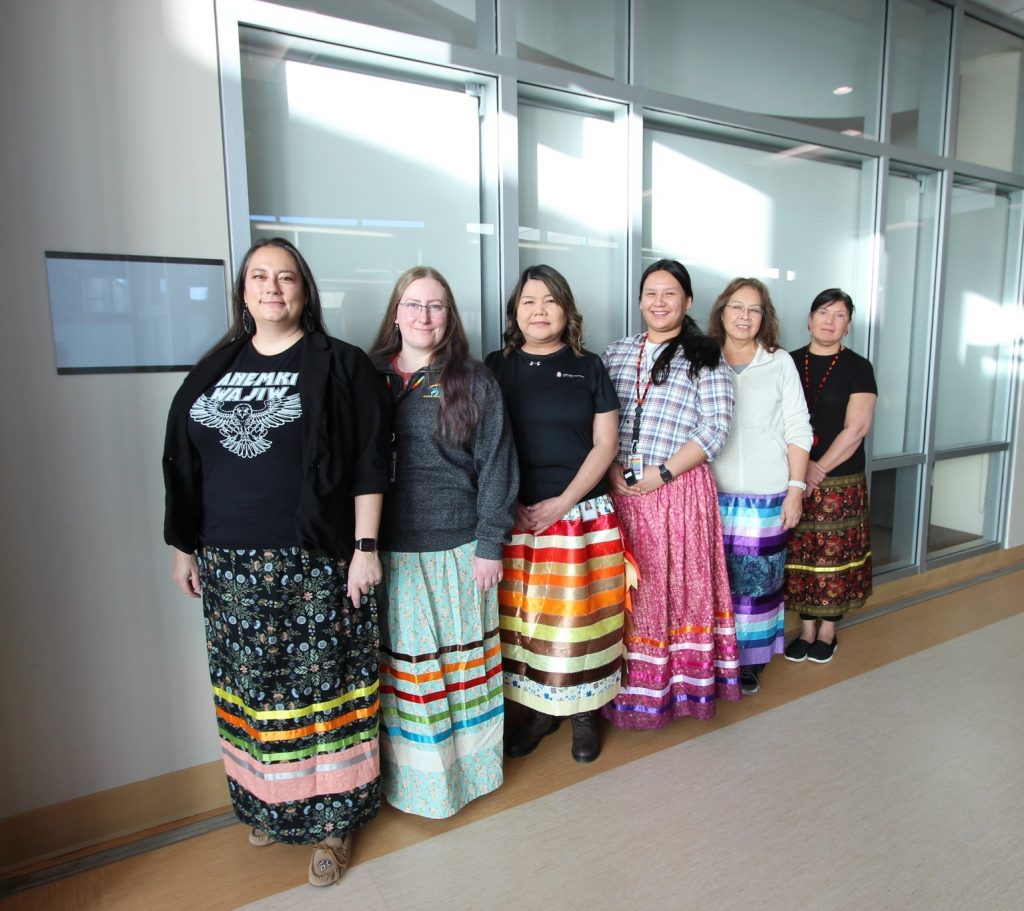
<point>247,430</point>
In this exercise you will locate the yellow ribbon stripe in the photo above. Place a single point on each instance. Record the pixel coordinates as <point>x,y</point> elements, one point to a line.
<point>830,569</point>
<point>283,714</point>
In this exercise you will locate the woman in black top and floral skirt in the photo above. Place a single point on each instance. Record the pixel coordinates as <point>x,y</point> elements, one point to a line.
<point>274,468</point>
<point>828,563</point>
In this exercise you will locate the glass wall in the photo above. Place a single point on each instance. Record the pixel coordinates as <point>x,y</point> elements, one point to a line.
<point>902,319</point>
<point>894,497</point>
<point>990,118</point>
<point>919,59</point>
<point>363,196</point>
<point>785,214</point>
<point>454,21</point>
<point>588,36</point>
<point>965,503</point>
<point>981,316</point>
<point>802,142</point>
<point>572,204</point>
<point>812,61</point>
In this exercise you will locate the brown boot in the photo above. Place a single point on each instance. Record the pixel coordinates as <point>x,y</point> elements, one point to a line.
<point>586,737</point>
<point>525,736</point>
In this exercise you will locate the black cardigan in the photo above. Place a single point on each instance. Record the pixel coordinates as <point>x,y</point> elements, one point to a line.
<point>346,425</point>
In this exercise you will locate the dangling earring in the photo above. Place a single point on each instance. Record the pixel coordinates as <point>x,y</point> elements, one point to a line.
<point>307,320</point>
<point>247,325</point>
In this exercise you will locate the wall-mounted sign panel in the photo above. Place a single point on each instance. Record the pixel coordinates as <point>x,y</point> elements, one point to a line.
<point>133,314</point>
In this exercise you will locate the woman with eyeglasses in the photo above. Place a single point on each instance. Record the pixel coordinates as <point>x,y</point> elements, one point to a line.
<point>760,471</point>
<point>676,404</point>
<point>828,567</point>
<point>447,516</point>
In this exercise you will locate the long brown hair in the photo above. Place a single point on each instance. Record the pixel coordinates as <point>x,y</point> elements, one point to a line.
<point>559,289</point>
<point>768,333</point>
<point>459,414</point>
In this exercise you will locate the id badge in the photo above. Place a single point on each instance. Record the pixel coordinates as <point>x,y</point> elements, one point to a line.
<point>636,465</point>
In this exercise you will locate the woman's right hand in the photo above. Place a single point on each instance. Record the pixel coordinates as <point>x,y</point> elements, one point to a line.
<point>185,572</point>
<point>619,486</point>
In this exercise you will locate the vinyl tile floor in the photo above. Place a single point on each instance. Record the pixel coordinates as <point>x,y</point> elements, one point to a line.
<point>892,778</point>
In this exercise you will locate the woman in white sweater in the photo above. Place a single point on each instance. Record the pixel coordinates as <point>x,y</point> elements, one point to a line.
<point>760,472</point>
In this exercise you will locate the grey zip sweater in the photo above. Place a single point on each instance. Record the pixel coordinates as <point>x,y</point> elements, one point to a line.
<point>444,496</point>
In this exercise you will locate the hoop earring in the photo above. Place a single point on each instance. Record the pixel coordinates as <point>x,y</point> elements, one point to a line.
<point>307,320</point>
<point>247,324</point>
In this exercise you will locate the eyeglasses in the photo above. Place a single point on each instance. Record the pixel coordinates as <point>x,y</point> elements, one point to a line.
<point>737,309</point>
<point>432,310</point>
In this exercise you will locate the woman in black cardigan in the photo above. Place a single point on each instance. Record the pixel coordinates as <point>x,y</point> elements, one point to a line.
<point>274,470</point>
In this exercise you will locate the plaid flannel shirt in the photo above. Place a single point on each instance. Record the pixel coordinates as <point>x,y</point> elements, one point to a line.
<point>675,412</point>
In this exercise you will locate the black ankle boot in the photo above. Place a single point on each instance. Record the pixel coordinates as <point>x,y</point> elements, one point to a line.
<point>525,736</point>
<point>586,737</point>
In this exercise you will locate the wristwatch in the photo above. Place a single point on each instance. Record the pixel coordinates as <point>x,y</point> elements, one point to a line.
<point>366,544</point>
<point>666,475</point>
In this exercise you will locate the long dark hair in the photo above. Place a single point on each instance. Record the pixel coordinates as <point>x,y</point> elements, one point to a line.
<point>699,350</point>
<point>768,332</point>
<point>459,414</point>
<point>559,289</point>
<point>313,307</point>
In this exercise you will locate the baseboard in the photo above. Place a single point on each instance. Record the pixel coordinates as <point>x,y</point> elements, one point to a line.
<point>98,819</point>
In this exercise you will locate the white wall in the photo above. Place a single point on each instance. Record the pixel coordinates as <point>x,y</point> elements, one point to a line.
<point>111,144</point>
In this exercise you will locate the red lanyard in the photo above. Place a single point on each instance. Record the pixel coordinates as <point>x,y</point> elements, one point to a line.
<point>807,380</point>
<point>641,398</point>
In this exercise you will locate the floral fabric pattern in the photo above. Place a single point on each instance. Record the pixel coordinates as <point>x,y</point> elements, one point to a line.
<point>293,665</point>
<point>828,568</point>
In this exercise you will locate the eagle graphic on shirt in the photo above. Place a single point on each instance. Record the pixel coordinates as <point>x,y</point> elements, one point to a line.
<point>243,429</point>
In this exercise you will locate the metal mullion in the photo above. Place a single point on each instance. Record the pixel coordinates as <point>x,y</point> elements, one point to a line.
<point>236,178</point>
<point>1016,407</point>
<point>494,203</point>
<point>508,187</point>
<point>486,26</point>
<point>934,355</point>
<point>876,294</point>
<point>973,449</point>
<point>884,76</point>
<point>906,460</point>
<point>635,209</point>
<point>506,30</point>
<point>953,83</point>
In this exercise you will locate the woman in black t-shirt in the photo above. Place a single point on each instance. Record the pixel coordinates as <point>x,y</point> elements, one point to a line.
<point>274,469</point>
<point>828,563</point>
<point>562,596</point>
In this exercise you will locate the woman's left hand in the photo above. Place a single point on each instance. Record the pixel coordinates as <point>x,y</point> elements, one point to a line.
<point>815,475</point>
<point>544,514</point>
<point>486,573</point>
<point>650,481</point>
<point>792,508</point>
<point>363,573</point>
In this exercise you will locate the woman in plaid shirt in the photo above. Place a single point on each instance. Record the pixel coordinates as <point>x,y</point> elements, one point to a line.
<point>676,404</point>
